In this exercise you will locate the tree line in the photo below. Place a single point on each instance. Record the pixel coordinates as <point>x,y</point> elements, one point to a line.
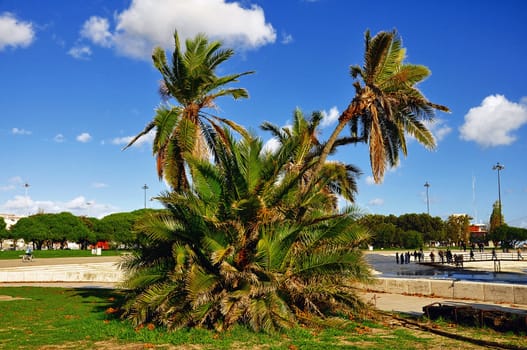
<point>48,230</point>
<point>412,231</point>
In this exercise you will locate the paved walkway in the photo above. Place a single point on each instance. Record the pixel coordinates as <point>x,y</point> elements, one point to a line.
<point>108,264</point>
<point>7,263</point>
<point>97,271</point>
<point>412,304</point>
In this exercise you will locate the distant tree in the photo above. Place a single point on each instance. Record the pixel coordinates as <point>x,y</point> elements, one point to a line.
<point>431,228</point>
<point>496,217</point>
<point>119,227</point>
<point>90,237</point>
<point>386,235</point>
<point>508,236</point>
<point>31,229</point>
<point>387,231</point>
<point>3,231</point>
<point>457,228</point>
<point>412,239</point>
<point>67,227</point>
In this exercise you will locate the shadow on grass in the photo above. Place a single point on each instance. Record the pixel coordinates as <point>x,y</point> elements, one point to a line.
<point>103,301</point>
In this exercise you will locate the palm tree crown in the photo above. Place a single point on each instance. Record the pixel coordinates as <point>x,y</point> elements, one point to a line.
<point>232,249</point>
<point>386,104</point>
<point>185,129</point>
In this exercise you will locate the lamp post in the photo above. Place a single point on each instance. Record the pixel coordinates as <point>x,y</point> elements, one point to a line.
<point>499,167</point>
<point>427,185</point>
<point>145,187</point>
<point>26,187</point>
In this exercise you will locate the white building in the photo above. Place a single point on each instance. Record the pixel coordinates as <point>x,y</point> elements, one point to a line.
<point>10,219</point>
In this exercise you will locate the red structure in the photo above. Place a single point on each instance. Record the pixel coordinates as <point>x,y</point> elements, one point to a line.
<point>103,245</point>
<point>478,232</point>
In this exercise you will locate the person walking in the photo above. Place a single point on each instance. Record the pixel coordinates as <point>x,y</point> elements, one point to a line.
<point>397,258</point>
<point>432,257</point>
<point>519,252</point>
<point>494,256</point>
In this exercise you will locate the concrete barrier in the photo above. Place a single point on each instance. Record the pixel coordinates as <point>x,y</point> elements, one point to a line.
<point>464,290</point>
<point>94,272</point>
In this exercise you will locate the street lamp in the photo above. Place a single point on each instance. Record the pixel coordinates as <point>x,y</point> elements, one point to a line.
<point>145,187</point>
<point>427,185</point>
<point>26,186</point>
<point>499,167</point>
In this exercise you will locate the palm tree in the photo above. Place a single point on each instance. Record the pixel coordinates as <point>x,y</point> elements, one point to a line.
<point>337,177</point>
<point>231,251</point>
<point>386,104</point>
<point>186,129</point>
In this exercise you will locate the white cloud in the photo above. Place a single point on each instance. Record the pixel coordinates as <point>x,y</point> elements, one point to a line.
<point>146,24</point>
<point>494,121</point>
<point>17,131</point>
<point>22,205</point>
<point>12,184</point>
<point>148,138</point>
<point>5,188</point>
<point>286,38</point>
<point>80,52</point>
<point>15,33</point>
<point>438,128</point>
<point>59,138</point>
<point>97,30</point>
<point>376,202</point>
<point>84,137</point>
<point>329,117</point>
<point>271,145</point>
<point>369,180</point>
<point>99,185</point>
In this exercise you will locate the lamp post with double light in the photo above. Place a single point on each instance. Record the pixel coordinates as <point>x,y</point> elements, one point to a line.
<point>145,187</point>
<point>499,167</point>
<point>427,185</point>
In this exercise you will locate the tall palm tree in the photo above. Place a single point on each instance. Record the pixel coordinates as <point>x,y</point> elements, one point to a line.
<point>186,129</point>
<point>386,105</point>
<point>231,251</point>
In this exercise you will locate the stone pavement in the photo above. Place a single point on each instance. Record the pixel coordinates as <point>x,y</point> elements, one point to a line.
<point>103,272</point>
<point>413,304</point>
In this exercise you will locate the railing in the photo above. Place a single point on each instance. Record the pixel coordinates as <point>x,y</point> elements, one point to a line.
<point>486,256</point>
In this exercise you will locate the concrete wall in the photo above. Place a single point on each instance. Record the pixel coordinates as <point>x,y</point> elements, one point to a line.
<point>94,272</point>
<point>491,292</point>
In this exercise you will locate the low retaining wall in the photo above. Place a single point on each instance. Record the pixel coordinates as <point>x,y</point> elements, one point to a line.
<point>97,272</point>
<point>490,292</point>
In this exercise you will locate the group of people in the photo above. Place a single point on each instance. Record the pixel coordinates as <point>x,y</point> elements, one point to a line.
<point>404,258</point>
<point>448,257</point>
<point>445,256</point>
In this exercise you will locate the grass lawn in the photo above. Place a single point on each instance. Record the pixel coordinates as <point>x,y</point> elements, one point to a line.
<point>59,318</point>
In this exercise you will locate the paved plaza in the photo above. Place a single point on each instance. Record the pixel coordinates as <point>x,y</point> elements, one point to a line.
<point>103,272</point>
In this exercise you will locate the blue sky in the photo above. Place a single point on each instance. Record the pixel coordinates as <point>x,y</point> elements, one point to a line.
<point>76,82</point>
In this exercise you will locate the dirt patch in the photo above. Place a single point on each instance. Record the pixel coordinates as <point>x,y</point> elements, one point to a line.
<point>111,345</point>
<point>10,298</point>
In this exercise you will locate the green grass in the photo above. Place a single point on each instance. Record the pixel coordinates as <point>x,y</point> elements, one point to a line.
<point>42,254</point>
<point>83,319</point>
<point>80,318</point>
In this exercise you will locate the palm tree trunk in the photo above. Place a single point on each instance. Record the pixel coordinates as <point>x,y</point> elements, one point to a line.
<point>349,113</point>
